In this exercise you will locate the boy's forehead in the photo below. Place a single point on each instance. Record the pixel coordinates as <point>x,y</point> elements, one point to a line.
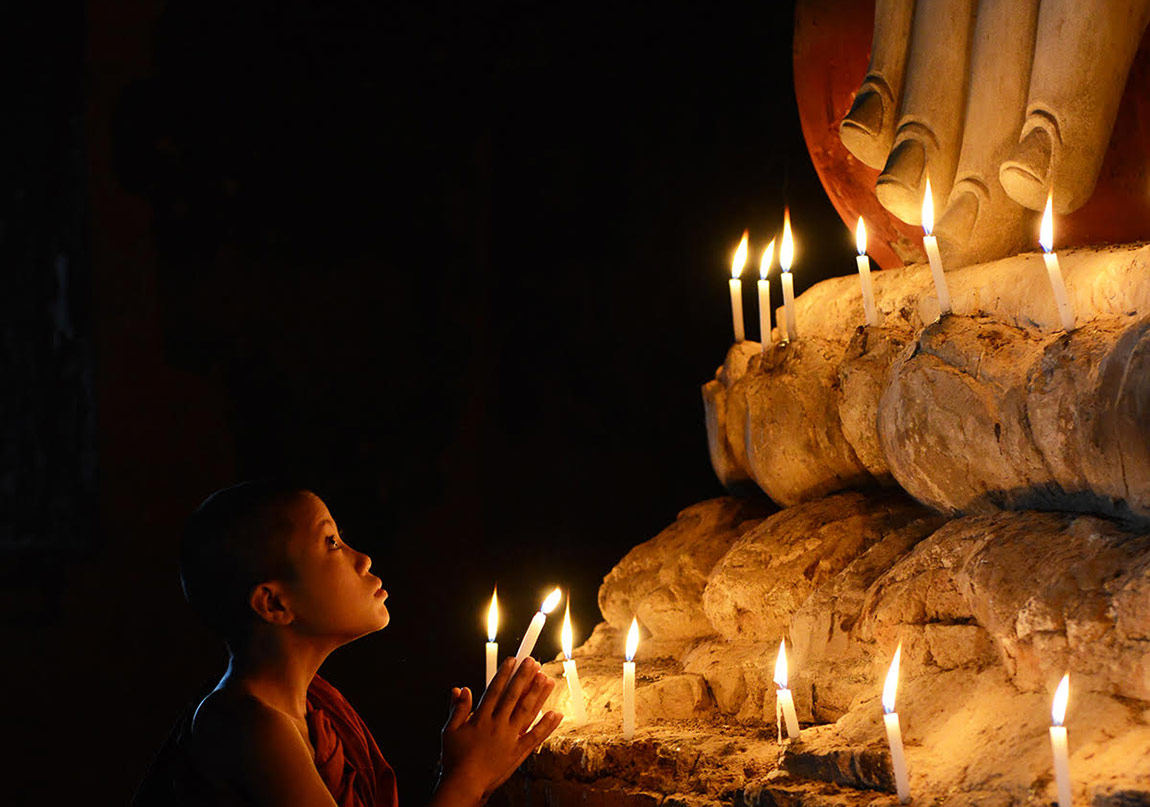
<point>313,518</point>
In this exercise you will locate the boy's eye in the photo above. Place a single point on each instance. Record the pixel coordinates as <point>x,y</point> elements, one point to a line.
<point>333,542</point>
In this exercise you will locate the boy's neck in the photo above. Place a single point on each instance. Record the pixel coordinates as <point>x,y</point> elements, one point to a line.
<point>276,674</point>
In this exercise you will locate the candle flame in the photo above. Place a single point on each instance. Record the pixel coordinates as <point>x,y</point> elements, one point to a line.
<point>565,637</point>
<point>787,252</point>
<point>891,685</point>
<point>1046,232</point>
<point>781,665</point>
<point>632,639</point>
<point>740,257</point>
<point>552,600</point>
<point>768,259</point>
<point>1061,696</point>
<point>927,209</point>
<point>493,616</point>
<point>860,237</point>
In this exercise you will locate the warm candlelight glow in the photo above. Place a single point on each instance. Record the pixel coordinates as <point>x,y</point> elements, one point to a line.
<point>1046,232</point>
<point>566,639</point>
<point>891,685</point>
<point>632,639</point>
<point>1061,696</point>
<point>740,257</point>
<point>927,209</point>
<point>787,250</point>
<point>860,237</point>
<point>552,600</point>
<point>781,665</point>
<point>767,260</point>
<point>493,616</point>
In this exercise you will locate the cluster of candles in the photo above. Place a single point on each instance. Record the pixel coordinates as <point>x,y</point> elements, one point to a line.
<point>786,719</point>
<point>788,326</point>
<point>570,670</point>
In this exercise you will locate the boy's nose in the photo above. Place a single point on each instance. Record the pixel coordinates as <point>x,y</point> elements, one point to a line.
<point>365,562</point>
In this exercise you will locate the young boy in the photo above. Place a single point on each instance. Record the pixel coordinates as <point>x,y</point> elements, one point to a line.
<point>265,567</point>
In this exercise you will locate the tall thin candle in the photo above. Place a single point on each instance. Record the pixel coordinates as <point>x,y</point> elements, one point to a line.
<point>786,257</point>
<point>1057,284</point>
<point>737,264</point>
<point>894,730</point>
<point>492,645</point>
<point>537,621</point>
<point>1058,741</point>
<point>765,295</point>
<point>864,275</point>
<point>629,681</point>
<point>570,672</point>
<point>784,701</point>
<point>930,244</point>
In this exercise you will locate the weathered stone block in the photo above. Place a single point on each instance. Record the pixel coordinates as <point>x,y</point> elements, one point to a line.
<point>661,580</point>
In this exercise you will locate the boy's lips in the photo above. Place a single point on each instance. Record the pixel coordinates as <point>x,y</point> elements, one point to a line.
<point>380,592</point>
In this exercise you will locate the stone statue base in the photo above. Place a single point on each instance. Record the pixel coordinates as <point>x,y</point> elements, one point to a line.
<point>976,487</point>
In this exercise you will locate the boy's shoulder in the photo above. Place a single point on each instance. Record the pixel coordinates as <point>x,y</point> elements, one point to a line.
<point>239,739</point>
<point>258,750</point>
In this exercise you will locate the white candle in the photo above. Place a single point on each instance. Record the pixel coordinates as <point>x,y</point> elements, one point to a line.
<point>765,295</point>
<point>864,275</point>
<point>1058,742</point>
<point>930,244</point>
<point>574,688</point>
<point>1046,239</point>
<point>629,681</point>
<point>897,758</point>
<point>532,635</point>
<point>737,265</point>
<point>492,645</point>
<point>894,731</point>
<point>786,257</point>
<point>784,701</point>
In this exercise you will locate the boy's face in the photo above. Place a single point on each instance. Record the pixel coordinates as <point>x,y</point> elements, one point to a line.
<point>332,593</point>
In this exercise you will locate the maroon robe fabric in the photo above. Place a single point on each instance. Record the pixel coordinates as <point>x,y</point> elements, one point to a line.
<point>346,756</point>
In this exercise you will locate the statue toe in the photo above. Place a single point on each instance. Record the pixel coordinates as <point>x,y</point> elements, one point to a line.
<point>899,186</point>
<point>862,129</point>
<point>1025,175</point>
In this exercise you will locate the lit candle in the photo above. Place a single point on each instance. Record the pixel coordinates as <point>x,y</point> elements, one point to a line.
<point>864,275</point>
<point>629,681</point>
<point>1046,239</point>
<point>737,265</point>
<point>786,256</point>
<point>894,731</point>
<point>492,645</point>
<point>1058,740</point>
<point>784,702</point>
<point>532,635</point>
<point>574,688</point>
<point>765,295</point>
<point>930,243</point>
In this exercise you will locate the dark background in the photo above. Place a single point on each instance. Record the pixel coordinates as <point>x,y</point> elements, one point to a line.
<point>463,269</point>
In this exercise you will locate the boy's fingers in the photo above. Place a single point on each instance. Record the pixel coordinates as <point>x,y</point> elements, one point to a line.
<point>521,681</point>
<point>534,738</point>
<point>495,688</point>
<point>532,701</point>
<point>460,708</point>
<point>511,693</point>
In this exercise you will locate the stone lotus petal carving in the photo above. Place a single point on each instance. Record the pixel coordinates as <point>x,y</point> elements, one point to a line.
<point>970,413</point>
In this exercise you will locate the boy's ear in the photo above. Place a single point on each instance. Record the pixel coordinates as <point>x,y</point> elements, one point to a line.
<point>270,604</point>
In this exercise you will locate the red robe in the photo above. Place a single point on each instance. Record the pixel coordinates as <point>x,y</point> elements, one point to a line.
<point>346,756</point>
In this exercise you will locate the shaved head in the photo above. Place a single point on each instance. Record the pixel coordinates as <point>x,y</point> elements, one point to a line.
<point>235,540</point>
